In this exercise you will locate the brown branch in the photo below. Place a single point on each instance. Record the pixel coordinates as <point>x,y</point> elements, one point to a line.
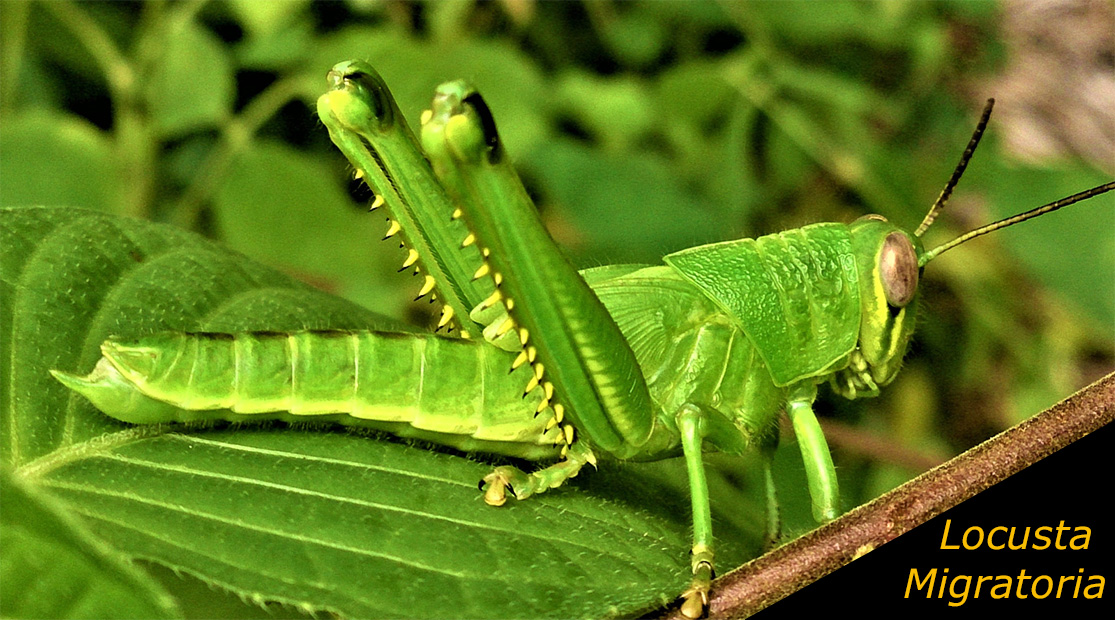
<point>852,440</point>
<point>770,578</point>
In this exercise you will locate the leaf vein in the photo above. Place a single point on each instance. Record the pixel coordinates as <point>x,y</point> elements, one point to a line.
<point>322,459</point>
<point>235,523</point>
<point>340,499</point>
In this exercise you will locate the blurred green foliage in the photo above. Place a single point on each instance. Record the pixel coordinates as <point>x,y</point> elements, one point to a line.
<point>640,128</point>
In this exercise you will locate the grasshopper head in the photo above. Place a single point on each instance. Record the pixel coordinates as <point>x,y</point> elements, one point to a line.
<point>887,261</point>
<point>890,263</point>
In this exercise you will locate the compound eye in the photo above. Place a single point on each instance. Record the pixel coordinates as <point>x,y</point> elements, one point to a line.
<point>898,269</point>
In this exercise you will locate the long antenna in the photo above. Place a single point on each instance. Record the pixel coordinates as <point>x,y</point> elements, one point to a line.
<point>935,210</point>
<point>1014,219</point>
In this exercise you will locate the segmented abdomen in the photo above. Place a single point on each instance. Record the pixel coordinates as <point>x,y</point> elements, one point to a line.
<point>437,386</point>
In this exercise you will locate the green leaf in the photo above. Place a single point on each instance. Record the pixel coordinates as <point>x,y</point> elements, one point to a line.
<point>285,208</point>
<point>595,187</point>
<point>1073,251</point>
<point>191,86</point>
<point>53,568</point>
<point>367,528</point>
<point>878,24</point>
<point>278,34</point>
<point>618,111</point>
<point>319,518</point>
<point>262,19</point>
<point>636,36</point>
<point>62,160</point>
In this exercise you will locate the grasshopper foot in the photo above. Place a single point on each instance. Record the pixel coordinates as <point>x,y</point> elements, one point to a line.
<point>694,601</point>
<point>496,484</point>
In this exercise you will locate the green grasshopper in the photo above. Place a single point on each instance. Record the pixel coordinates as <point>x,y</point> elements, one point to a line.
<point>629,362</point>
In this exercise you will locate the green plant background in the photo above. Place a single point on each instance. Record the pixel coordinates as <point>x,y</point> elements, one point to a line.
<point>640,128</point>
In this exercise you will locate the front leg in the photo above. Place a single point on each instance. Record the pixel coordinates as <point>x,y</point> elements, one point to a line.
<point>819,471</point>
<point>691,424</point>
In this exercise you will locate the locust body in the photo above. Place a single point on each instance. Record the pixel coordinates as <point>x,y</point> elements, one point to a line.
<point>629,362</point>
